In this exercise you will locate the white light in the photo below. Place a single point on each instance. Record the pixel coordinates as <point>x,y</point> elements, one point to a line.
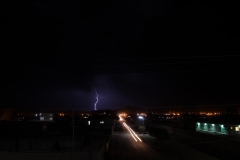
<point>120,118</point>
<point>101,122</point>
<point>198,123</point>
<point>40,114</point>
<point>205,124</point>
<point>213,125</point>
<point>140,117</point>
<point>36,115</point>
<point>88,122</point>
<point>85,117</point>
<point>221,125</point>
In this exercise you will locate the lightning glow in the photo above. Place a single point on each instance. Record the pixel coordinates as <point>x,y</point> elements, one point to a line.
<point>98,97</point>
<point>95,105</point>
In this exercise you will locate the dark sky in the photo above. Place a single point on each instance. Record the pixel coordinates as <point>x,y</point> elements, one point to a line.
<point>156,53</point>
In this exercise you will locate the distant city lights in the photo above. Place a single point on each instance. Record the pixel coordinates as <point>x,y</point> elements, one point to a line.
<point>201,113</point>
<point>209,113</point>
<point>175,114</point>
<point>142,114</point>
<point>122,115</point>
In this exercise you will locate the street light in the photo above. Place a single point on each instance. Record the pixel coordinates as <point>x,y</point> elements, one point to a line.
<point>141,117</point>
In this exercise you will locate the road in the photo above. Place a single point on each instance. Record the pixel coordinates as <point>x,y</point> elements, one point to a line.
<point>127,147</point>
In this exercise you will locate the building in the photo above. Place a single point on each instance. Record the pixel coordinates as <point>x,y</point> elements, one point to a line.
<point>45,116</point>
<point>227,129</point>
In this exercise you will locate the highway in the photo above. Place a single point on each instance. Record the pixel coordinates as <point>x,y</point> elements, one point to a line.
<point>130,148</point>
<point>129,145</point>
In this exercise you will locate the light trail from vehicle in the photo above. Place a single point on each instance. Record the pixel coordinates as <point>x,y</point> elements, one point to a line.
<point>132,132</point>
<point>135,134</point>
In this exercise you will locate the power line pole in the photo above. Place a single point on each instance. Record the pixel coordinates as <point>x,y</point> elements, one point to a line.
<point>73,132</point>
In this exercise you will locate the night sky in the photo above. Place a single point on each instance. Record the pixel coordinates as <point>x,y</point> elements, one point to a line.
<point>147,53</point>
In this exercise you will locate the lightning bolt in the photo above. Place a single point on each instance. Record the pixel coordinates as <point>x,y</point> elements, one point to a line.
<point>95,105</point>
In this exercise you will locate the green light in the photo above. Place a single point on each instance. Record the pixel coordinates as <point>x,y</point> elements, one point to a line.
<point>222,125</point>
<point>205,124</point>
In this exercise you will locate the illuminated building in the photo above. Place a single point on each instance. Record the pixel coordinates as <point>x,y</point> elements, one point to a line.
<point>46,116</point>
<point>218,128</point>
